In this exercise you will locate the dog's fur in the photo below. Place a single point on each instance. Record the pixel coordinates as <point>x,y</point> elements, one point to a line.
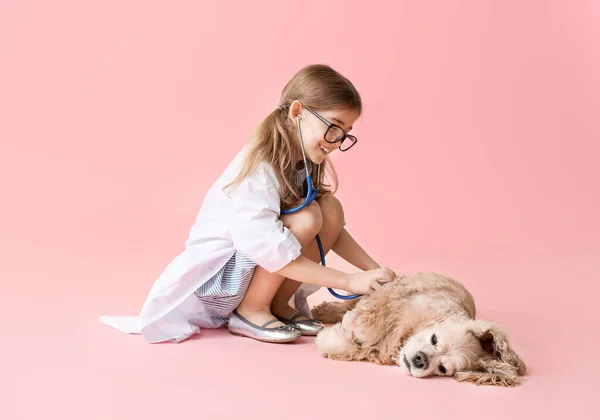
<point>395,322</point>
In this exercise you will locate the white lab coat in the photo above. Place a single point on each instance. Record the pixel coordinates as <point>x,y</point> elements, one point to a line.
<point>245,219</point>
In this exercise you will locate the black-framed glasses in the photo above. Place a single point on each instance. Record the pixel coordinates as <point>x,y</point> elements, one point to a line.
<point>335,133</point>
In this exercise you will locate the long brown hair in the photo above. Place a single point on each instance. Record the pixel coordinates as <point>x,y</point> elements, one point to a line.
<point>275,141</point>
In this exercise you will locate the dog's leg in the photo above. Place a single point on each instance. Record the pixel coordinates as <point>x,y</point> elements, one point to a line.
<point>356,337</point>
<point>365,333</point>
<point>333,312</point>
<point>333,342</point>
<point>336,342</point>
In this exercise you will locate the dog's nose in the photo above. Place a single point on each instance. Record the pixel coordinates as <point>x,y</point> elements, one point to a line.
<point>420,360</point>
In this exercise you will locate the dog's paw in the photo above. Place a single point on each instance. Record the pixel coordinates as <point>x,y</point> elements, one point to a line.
<point>329,312</point>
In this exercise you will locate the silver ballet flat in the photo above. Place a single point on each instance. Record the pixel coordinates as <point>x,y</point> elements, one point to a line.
<point>305,326</point>
<point>238,325</point>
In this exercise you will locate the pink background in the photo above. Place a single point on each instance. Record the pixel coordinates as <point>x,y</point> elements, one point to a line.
<point>478,158</point>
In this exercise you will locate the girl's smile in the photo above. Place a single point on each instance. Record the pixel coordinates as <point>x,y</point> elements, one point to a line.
<point>325,131</point>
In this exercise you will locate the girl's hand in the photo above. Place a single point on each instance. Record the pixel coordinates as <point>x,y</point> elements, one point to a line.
<point>366,282</point>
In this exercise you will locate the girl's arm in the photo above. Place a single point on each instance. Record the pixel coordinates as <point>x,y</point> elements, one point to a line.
<point>348,249</point>
<point>305,270</point>
<point>258,233</point>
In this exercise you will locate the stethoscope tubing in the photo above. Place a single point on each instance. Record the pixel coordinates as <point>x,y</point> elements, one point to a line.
<point>311,194</point>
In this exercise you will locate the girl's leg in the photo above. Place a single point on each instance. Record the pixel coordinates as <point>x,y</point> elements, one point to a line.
<point>256,305</point>
<point>333,220</point>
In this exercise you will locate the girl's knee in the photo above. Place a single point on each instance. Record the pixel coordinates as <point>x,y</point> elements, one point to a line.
<point>332,211</point>
<point>306,222</point>
<point>312,219</point>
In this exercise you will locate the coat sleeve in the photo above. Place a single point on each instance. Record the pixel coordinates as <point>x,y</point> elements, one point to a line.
<point>256,230</point>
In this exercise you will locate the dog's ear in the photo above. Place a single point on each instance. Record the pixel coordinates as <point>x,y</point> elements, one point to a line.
<point>500,365</point>
<point>494,341</point>
<point>488,374</point>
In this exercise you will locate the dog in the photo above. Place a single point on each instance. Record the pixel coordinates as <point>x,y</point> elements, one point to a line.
<point>425,323</point>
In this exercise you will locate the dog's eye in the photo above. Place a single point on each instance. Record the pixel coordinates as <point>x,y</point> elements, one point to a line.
<point>442,369</point>
<point>434,339</point>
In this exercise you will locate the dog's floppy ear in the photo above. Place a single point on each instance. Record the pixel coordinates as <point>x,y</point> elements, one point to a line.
<point>500,365</point>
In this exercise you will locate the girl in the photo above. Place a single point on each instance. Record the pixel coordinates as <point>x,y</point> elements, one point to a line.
<point>244,260</point>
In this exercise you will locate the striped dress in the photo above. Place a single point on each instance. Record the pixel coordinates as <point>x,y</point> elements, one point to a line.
<point>223,292</point>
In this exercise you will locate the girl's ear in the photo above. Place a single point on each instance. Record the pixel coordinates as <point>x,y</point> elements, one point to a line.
<point>295,110</point>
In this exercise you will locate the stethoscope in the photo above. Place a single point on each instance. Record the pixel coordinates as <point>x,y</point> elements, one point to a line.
<point>311,194</point>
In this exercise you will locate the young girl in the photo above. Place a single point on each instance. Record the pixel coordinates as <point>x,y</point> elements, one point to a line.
<point>244,259</point>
